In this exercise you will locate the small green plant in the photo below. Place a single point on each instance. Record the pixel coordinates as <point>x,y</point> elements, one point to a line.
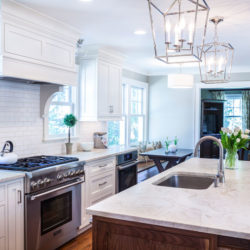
<point>176,141</point>
<point>167,143</point>
<point>69,121</point>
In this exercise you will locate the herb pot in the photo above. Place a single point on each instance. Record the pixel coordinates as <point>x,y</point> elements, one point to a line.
<point>69,147</point>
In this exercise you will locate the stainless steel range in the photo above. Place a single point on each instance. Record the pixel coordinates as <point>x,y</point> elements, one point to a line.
<point>52,199</point>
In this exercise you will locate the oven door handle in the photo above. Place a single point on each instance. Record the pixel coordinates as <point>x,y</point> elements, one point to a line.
<point>127,166</point>
<point>33,197</point>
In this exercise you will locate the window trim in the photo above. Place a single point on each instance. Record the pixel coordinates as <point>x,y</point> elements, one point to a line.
<point>127,107</point>
<point>233,96</point>
<point>51,138</point>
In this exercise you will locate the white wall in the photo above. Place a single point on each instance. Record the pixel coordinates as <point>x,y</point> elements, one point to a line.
<point>177,111</point>
<point>171,112</point>
<point>21,123</point>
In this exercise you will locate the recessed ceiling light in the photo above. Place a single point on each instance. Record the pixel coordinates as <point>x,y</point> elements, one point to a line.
<point>140,32</point>
<point>86,0</point>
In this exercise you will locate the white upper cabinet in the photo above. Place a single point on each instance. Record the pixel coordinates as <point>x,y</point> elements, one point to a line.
<point>36,47</point>
<point>100,86</point>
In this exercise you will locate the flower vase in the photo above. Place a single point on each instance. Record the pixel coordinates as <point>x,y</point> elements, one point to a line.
<point>232,159</point>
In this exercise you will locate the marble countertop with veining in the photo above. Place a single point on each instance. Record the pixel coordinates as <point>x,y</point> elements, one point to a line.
<point>223,210</point>
<point>7,175</point>
<point>97,154</point>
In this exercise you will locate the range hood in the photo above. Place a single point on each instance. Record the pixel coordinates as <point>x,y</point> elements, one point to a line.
<point>36,48</point>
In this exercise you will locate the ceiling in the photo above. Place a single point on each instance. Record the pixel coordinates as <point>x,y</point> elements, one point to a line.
<point>111,23</point>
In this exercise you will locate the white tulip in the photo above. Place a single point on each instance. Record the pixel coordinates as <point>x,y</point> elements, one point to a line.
<point>224,130</point>
<point>236,133</point>
<point>244,136</point>
<point>247,131</point>
<point>230,131</point>
<point>236,129</point>
<point>238,140</point>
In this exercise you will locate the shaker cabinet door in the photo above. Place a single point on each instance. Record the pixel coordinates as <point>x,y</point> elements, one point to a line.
<point>109,91</point>
<point>115,84</point>
<point>15,215</point>
<point>103,89</point>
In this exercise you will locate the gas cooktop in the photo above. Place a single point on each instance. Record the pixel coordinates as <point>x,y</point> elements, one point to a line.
<point>37,162</point>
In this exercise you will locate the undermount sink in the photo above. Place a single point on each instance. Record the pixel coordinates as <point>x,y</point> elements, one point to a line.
<point>187,180</point>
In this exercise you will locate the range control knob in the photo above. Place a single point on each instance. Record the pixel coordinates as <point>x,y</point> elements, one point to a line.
<point>33,184</point>
<point>77,171</point>
<point>47,180</point>
<point>40,182</point>
<point>81,171</point>
<point>59,177</point>
<point>72,173</point>
<point>65,175</point>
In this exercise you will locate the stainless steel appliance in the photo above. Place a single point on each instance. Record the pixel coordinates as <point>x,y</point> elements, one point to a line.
<point>52,199</point>
<point>126,170</point>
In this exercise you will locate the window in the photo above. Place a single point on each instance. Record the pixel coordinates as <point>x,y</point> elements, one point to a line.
<point>63,103</point>
<point>132,129</point>
<point>233,111</point>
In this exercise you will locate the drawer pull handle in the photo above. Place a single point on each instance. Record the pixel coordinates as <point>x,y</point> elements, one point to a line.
<point>102,184</point>
<point>19,196</point>
<point>103,166</point>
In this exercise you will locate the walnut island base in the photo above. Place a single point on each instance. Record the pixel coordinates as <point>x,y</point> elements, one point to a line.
<point>113,234</point>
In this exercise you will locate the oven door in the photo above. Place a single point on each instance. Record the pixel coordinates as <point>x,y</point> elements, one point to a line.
<point>52,217</point>
<point>127,175</point>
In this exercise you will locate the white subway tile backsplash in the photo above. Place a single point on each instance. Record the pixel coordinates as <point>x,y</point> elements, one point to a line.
<point>21,123</point>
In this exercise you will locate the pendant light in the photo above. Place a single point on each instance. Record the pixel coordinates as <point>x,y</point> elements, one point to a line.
<point>180,81</point>
<point>217,58</point>
<point>177,28</point>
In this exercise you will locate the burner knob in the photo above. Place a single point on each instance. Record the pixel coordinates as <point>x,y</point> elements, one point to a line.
<point>46,180</point>
<point>77,171</point>
<point>59,177</point>
<point>33,184</point>
<point>65,175</point>
<point>40,182</point>
<point>72,173</point>
<point>81,171</point>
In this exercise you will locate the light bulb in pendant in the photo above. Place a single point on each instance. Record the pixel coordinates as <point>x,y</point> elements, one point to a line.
<point>168,30</point>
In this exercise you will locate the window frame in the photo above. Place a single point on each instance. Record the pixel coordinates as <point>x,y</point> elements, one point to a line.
<point>73,100</point>
<point>233,96</point>
<point>126,107</point>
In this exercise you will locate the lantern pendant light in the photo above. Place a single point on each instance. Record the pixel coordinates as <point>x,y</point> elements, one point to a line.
<point>178,26</point>
<point>217,58</point>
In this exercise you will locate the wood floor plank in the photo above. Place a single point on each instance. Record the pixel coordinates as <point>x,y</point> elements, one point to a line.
<point>82,242</point>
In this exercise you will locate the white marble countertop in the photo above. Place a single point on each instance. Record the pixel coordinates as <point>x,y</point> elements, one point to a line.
<point>223,210</point>
<point>8,175</point>
<point>97,154</point>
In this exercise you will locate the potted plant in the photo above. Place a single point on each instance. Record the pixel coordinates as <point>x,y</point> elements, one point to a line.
<point>167,143</point>
<point>232,141</point>
<point>69,121</point>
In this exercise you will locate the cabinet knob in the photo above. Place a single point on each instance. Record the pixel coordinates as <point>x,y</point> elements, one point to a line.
<point>111,109</point>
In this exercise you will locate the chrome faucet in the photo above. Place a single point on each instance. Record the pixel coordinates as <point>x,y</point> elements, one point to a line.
<point>220,175</point>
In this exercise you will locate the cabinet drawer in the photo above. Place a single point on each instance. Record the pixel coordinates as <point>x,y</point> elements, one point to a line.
<point>101,167</point>
<point>2,222</point>
<point>2,193</point>
<point>101,183</point>
<point>105,194</point>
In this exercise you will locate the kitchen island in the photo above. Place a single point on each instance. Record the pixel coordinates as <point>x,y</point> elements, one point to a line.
<point>148,216</point>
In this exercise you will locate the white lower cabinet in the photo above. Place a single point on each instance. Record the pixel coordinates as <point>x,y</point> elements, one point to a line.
<point>12,215</point>
<point>99,185</point>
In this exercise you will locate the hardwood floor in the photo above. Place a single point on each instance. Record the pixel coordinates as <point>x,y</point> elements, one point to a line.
<point>82,242</point>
